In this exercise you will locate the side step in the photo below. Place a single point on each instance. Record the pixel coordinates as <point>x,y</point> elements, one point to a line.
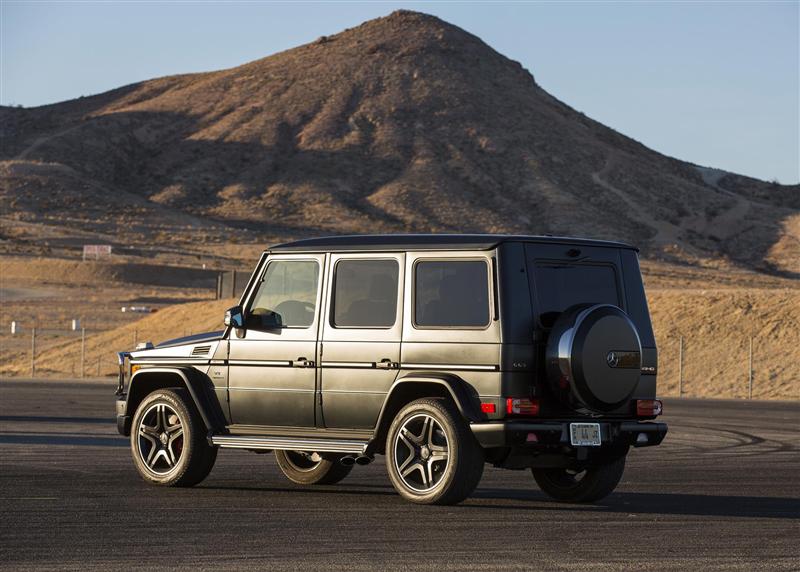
<point>289,444</point>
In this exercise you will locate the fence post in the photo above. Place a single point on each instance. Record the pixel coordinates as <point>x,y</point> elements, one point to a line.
<point>33,352</point>
<point>83,353</point>
<point>750,372</point>
<point>680,368</point>
<point>135,337</point>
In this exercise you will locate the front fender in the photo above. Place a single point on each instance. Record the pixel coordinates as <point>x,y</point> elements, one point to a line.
<point>148,380</point>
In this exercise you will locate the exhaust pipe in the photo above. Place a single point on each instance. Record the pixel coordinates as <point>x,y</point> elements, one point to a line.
<point>364,459</point>
<point>348,461</point>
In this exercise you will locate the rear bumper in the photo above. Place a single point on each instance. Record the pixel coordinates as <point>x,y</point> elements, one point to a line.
<point>515,433</point>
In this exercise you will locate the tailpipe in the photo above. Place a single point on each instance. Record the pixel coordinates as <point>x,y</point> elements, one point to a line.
<point>364,459</point>
<point>348,461</point>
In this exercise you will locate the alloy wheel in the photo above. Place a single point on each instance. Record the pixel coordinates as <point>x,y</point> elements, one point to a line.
<point>303,460</point>
<point>161,438</point>
<point>421,453</point>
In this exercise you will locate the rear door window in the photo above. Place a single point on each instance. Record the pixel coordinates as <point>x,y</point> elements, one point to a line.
<point>365,294</point>
<point>451,294</point>
<point>559,285</point>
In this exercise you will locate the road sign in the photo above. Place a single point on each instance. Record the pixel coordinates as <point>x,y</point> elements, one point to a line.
<point>96,251</point>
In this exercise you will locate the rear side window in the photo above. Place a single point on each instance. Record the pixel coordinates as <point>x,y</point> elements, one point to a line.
<point>365,294</point>
<point>559,286</point>
<point>451,294</point>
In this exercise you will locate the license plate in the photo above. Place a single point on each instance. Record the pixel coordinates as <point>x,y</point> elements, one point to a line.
<point>584,434</point>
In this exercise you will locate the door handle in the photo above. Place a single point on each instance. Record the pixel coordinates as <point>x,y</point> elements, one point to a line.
<point>386,363</point>
<point>302,362</point>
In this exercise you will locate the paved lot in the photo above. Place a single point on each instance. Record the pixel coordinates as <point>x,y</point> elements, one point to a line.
<point>723,492</point>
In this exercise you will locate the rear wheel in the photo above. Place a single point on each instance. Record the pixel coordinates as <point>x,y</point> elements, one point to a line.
<point>310,468</point>
<point>431,454</point>
<point>168,440</point>
<point>587,485</point>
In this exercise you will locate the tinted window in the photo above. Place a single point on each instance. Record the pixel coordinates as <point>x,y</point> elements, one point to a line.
<point>289,289</point>
<point>559,286</point>
<point>452,294</point>
<point>365,293</point>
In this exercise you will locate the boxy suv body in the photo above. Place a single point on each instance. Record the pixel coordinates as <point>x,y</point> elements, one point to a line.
<point>441,352</point>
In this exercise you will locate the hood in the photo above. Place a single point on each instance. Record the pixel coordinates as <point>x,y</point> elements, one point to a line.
<point>194,338</point>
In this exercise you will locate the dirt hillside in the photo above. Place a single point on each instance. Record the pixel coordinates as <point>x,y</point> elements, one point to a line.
<point>405,123</point>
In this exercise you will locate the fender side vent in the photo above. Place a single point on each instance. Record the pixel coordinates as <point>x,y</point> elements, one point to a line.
<point>201,350</point>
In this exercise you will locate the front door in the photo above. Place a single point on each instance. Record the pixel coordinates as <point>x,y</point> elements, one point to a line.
<point>360,337</point>
<point>272,361</point>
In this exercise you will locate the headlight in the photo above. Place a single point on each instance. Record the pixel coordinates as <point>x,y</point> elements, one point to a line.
<point>124,360</point>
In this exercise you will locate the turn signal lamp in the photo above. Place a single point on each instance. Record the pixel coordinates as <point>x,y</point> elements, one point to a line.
<point>520,406</point>
<point>648,407</point>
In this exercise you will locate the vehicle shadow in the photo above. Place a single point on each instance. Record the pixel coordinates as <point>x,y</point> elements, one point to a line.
<point>651,503</point>
<point>534,500</point>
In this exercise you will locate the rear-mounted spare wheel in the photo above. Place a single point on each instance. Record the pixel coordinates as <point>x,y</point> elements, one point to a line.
<point>594,357</point>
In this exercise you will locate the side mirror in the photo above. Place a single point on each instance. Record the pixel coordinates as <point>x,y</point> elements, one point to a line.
<point>234,317</point>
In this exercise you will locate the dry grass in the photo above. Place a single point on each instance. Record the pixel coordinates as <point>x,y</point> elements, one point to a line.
<point>60,357</point>
<point>716,326</point>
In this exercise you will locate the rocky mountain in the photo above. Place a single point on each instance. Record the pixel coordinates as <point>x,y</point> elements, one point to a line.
<point>404,123</point>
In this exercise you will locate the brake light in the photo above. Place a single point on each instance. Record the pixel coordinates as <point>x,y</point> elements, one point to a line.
<point>648,407</point>
<point>488,408</point>
<point>520,406</point>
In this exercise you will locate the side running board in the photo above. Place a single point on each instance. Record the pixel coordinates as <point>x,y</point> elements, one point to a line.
<point>289,444</point>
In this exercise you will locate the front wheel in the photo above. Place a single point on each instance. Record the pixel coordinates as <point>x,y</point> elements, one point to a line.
<point>168,440</point>
<point>587,485</point>
<point>432,456</point>
<point>309,468</point>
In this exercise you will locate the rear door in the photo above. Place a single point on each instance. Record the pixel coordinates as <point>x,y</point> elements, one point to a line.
<point>360,337</point>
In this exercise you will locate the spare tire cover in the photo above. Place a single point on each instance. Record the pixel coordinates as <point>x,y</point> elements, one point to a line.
<point>594,357</point>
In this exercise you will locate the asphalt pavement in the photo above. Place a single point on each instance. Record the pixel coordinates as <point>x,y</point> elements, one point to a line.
<point>722,493</point>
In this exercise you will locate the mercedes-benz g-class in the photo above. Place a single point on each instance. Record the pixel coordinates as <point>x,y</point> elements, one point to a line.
<point>441,352</point>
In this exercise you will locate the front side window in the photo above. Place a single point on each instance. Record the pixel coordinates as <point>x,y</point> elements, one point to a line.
<point>451,294</point>
<point>287,295</point>
<point>365,294</point>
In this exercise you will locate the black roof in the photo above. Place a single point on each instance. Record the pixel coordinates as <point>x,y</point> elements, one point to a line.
<point>367,242</point>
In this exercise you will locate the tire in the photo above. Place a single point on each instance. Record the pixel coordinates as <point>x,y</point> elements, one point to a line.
<point>168,440</point>
<point>310,468</point>
<point>432,457</point>
<point>592,484</point>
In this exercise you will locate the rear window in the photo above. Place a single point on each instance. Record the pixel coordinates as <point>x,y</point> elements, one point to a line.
<point>559,286</point>
<point>451,294</point>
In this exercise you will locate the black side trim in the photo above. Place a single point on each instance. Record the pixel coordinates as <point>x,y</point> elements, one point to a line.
<point>199,386</point>
<point>466,403</point>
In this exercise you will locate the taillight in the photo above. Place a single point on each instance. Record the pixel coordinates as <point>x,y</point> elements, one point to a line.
<point>648,407</point>
<point>520,406</point>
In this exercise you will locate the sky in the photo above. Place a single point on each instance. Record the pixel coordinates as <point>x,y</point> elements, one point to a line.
<point>717,84</point>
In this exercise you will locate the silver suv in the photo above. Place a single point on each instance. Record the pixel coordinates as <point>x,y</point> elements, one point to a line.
<point>440,352</point>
